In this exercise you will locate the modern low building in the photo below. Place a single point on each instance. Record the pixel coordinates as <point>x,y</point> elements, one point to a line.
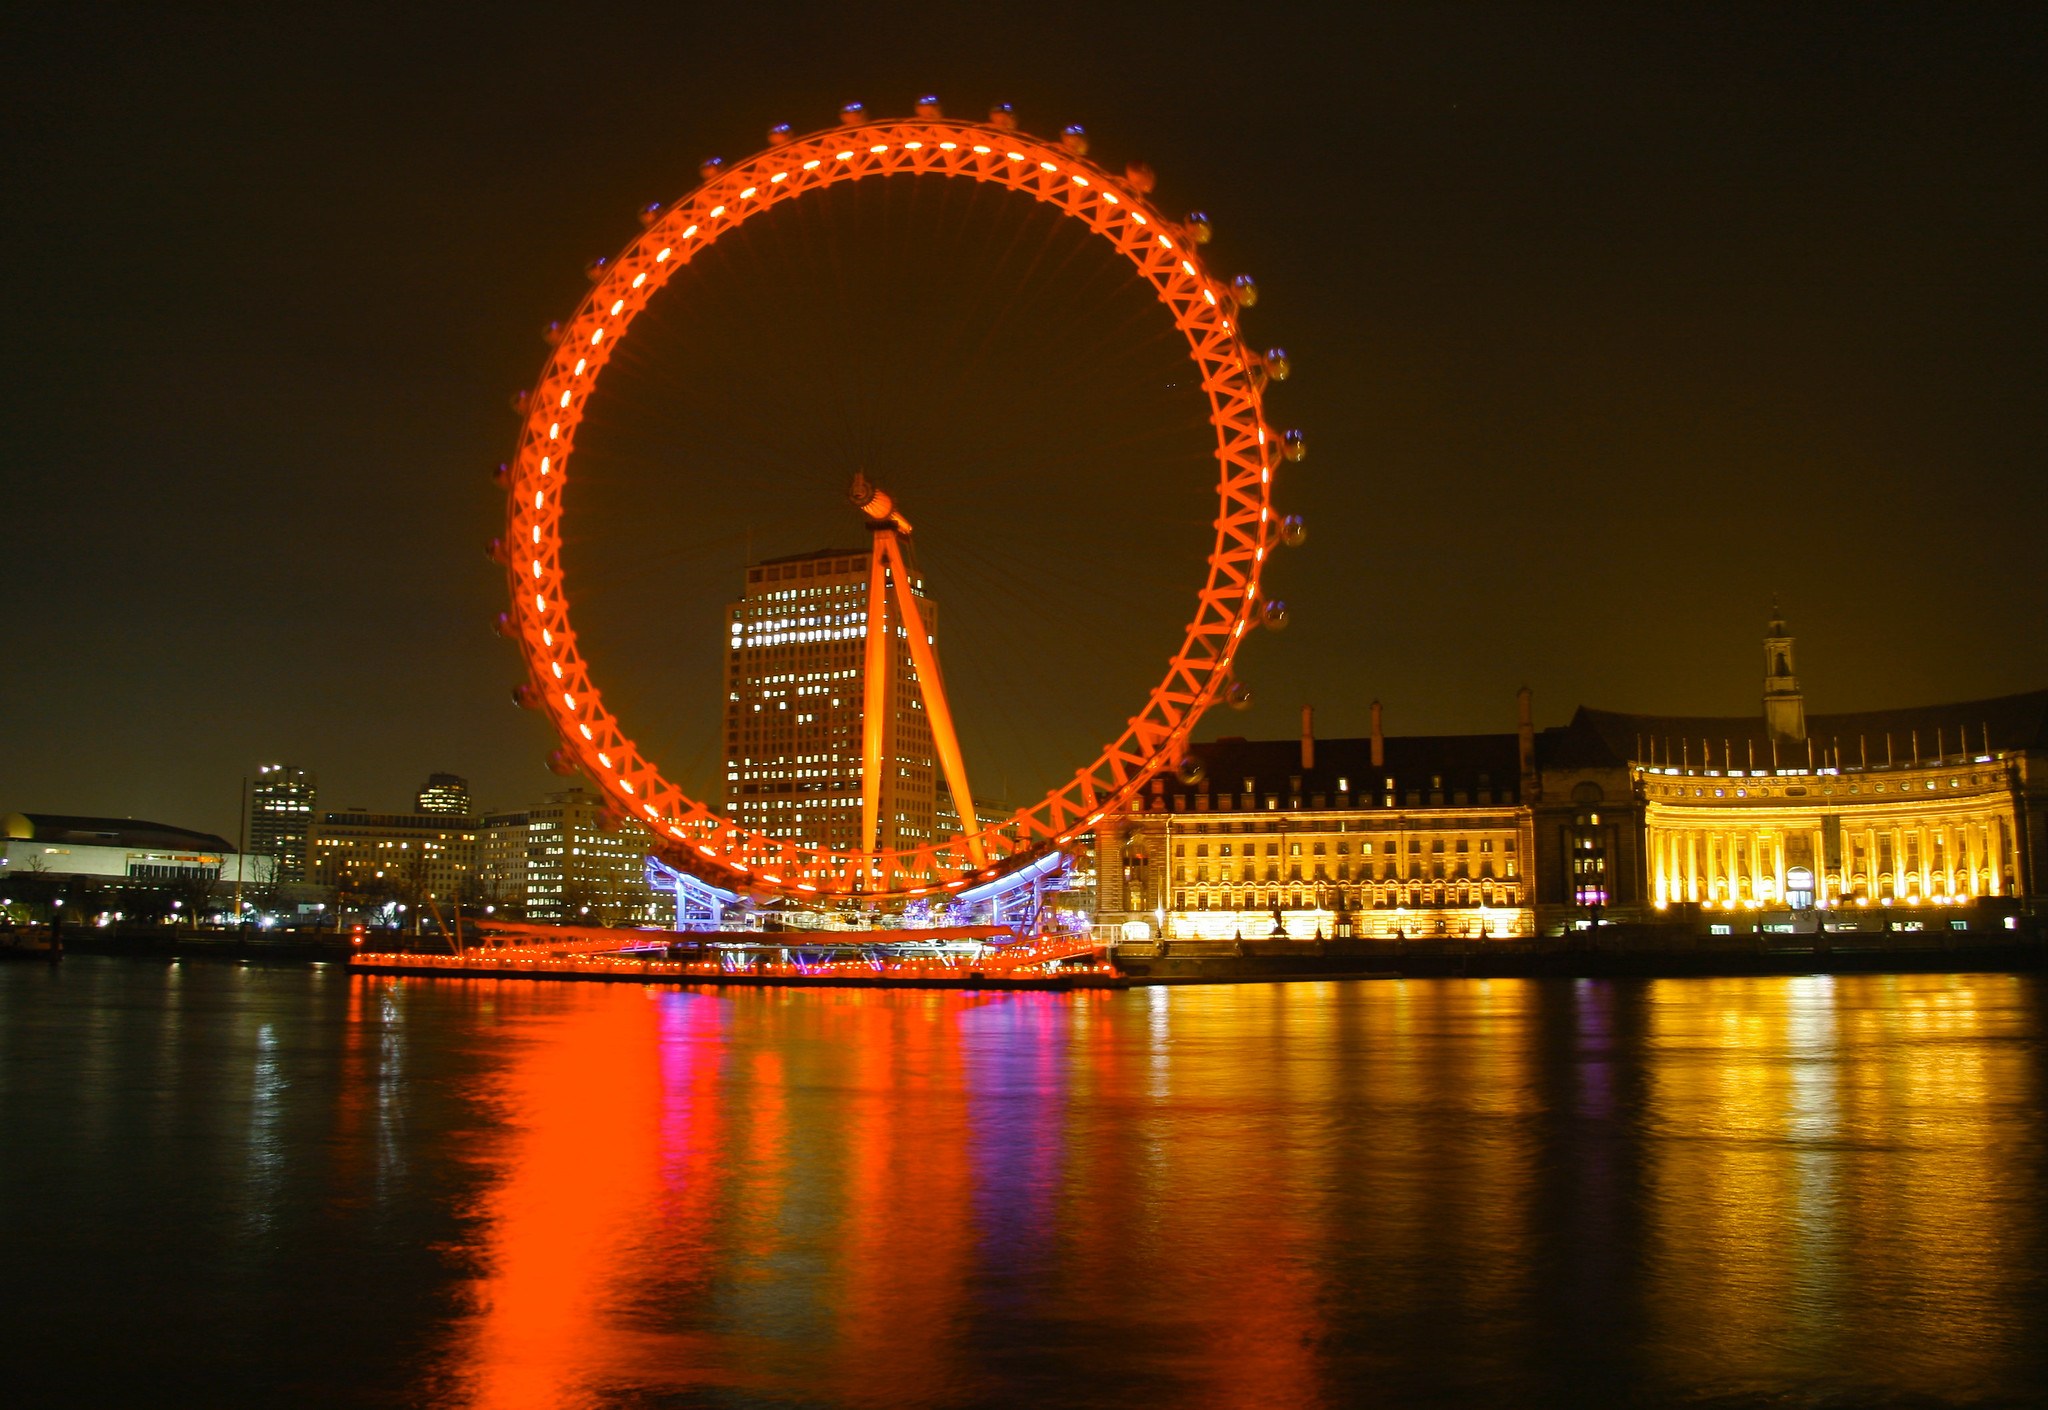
<point>502,863</point>
<point>581,866</point>
<point>1710,822</point>
<point>566,860</point>
<point>411,859</point>
<point>52,851</point>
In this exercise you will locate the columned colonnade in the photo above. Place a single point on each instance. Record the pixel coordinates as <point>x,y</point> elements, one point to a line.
<point>1910,851</point>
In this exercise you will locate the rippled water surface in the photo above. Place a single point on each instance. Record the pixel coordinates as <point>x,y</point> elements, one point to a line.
<point>247,1186</point>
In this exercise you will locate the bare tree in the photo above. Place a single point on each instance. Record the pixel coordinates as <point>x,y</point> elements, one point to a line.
<point>411,876</point>
<point>36,889</point>
<point>263,882</point>
<point>584,904</point>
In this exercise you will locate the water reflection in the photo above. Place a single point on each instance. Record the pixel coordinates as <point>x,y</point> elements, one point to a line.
<point>1771,1191</point>
<point>1834,1166</point>
<point>1278,1195</point>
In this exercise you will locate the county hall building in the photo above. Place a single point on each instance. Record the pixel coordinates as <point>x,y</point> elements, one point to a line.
<point>1906,819</point>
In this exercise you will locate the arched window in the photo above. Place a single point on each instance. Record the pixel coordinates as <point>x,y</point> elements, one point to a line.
<point>1799,889</point>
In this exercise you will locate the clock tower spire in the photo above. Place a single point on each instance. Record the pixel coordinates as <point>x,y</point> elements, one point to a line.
<point>1784,705</point>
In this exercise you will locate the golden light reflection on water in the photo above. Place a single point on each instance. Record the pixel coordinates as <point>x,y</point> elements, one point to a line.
<point>1284,1195</point>
<point>1834,1172</point>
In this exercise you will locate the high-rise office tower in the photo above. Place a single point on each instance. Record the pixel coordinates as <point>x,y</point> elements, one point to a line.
<point>280,812</point>
<point>444,793</point>
<point>794,682</point>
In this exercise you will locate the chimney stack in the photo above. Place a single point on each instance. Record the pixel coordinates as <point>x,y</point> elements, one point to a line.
<point>1525,736</point>
<point>1379,739</point>
<point>1308,738</point>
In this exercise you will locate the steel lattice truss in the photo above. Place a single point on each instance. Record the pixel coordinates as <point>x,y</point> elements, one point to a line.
<point>687,832</point>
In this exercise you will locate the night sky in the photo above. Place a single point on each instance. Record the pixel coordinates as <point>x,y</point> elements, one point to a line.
<point>1610,324</point>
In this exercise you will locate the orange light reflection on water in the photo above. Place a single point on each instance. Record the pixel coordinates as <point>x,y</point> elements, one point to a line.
<point>1247,1196</point>
<point>583,1102</point>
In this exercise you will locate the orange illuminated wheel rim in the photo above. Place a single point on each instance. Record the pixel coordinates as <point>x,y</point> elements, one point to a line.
<point>687,832</point>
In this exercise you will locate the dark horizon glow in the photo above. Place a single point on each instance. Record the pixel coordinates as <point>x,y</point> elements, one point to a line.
<point>1610,326</point>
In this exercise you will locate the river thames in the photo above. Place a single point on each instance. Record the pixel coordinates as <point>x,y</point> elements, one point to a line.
<point>240,1185</point>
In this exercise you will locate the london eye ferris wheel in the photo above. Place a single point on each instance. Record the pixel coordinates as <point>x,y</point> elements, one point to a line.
<point>693,835</point>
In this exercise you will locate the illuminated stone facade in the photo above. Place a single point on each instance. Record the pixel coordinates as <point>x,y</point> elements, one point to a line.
<point>1916,807</point>
<point>1941,829</point>
<point>1391,838</point>
<point>1612,818</point>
